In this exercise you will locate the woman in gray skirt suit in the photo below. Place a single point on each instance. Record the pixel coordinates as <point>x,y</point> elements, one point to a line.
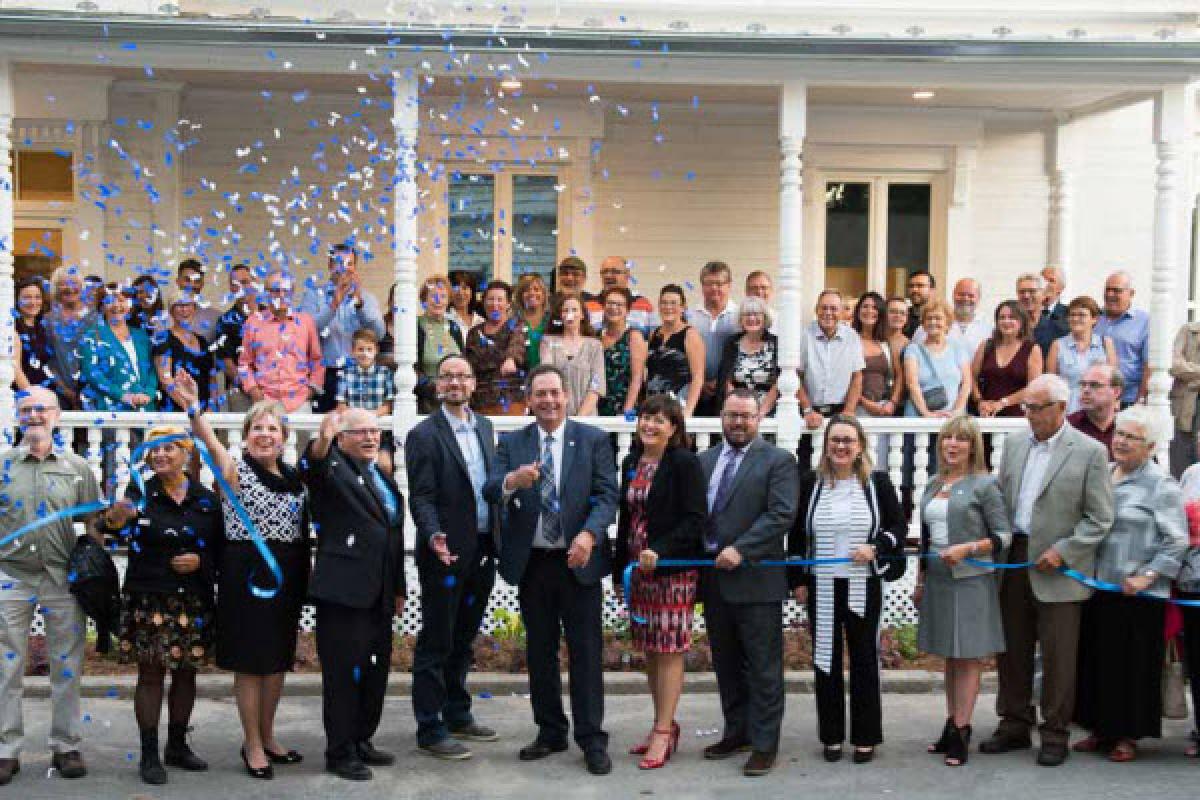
<point>962,517</point>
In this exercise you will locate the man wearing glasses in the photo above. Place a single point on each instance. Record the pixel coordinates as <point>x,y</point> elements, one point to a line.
<point>40,479</point>
<point>1129,329</point>
<point>340,307</point>
<point>448,456</point>
<point>716,320</point>
<point>189,278</point>
<point>281,353</point>
<point>67,321</point>
<point>614,274</point>
<point>1099,399</point>
<point>1056,484</point>
<point>357,583</point>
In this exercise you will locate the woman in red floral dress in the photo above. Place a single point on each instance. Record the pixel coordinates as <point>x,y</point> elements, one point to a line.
<point>662,515</point>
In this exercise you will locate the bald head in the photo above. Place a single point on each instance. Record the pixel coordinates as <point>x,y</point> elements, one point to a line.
<point>966,299</point>
<point>1118,293</point>
<point>614,272</point>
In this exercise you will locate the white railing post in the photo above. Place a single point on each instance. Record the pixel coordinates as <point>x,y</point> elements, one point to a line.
<point>1061,241</point>
<point>405,105</point>
<point>793,119</point>
<point>8,369</point>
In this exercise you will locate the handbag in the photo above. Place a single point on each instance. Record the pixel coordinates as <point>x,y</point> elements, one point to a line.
<point>935,396</point>
<point>1174,698</point>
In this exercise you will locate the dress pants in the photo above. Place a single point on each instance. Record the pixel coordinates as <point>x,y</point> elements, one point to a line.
<point>328,399</point>
<point>747,653</point>
<point>862,639</point>
<point>452,608</point>
<point>355,648</point>
<point>554,603</point>
<point>1028,622</point>
<point>65,637</point>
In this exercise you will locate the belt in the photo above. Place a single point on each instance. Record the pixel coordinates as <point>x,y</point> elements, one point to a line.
<point>830,409</point>
<point>549,550</point>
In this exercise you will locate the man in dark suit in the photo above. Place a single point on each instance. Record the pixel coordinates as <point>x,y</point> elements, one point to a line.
<point>752,495</point>
<point>357,584</point>
<point>448,456</point>
<point>556,480</point>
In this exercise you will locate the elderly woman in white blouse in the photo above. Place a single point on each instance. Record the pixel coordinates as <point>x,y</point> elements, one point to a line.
<point>1119,681</point>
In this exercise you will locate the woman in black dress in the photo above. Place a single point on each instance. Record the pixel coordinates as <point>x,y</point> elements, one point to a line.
<point>257,634</point>
<point>181,347</point>
<point>31,346</point>
<point>167,602</point>
<point>676,353</point>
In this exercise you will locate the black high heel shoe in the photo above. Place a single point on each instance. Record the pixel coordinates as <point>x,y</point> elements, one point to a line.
<point>290,757</point>
<point>261,773</point>
<point>958,746</point>
<point>940,745</point>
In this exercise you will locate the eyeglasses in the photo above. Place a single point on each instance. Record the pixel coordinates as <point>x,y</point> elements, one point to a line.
<point>735,416</point>
<point>365,433</point>
<point>279,290</point>
<point>1095,385</point>
<point>1129,437</point>
<point>843,441</point>
<point>456,377</point>
<point>1030,408</point>
<point>26,411</point>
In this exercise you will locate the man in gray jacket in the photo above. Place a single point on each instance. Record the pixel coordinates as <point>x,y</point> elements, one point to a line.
<point>752,495</point>
<point>1057,486</point>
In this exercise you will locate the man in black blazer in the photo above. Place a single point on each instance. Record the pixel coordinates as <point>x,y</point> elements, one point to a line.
<point>357,583</point>
<point>448,455</point>
<point>752,491</point>
<point>556,480</point>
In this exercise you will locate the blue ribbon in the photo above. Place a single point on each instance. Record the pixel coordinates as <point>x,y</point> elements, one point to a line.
<point>267,556</point>
<point>66,513</point>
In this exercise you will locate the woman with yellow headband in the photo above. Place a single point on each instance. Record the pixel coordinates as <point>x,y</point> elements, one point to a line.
<point>172,528</point>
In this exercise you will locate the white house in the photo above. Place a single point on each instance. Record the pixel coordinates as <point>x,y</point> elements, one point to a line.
<point>829,143</point>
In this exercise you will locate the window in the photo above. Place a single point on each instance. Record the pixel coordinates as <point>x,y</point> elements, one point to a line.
<point>36,251</point>
<point>502,224</point>
<point>43,177</point>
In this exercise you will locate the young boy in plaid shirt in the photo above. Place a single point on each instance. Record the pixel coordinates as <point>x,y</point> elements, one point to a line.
<point>365,384</point>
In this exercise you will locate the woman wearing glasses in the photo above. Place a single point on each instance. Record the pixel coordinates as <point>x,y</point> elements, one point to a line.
<point>846,512</point>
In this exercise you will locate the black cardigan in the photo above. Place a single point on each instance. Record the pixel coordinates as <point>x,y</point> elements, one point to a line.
<point>888,531</point>
<point>677,505</point>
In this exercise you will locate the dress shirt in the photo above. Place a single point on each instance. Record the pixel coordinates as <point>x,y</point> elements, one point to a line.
<point>556,450</point>
<point>1130,334</point>
<point>466,432</point>
<point>968,335</point>
<point>714,329</point>
<point>1031,479</point>
<point>1081,422</point>
<point>281,357</point>
<point>337,326</point>
<point>728,452</point>
<point>829,364</point>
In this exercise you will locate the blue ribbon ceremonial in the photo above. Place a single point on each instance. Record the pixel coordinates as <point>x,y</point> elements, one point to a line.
<point>1103,586</point>
<point>259,543</point>
<point>66,513</point>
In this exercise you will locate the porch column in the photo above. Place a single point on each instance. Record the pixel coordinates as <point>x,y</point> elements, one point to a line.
<point>404,209</point>
<point>793,119</point>
<point>1172,127</point>
<point>1061,239</point>
<point>7,232</point>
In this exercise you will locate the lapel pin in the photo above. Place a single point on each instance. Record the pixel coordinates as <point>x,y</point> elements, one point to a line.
<point>350,540</point>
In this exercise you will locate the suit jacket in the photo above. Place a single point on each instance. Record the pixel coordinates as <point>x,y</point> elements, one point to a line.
<point>676,510</point>
<point>755,521</point>
<point>360,554</point>
<point>440,495</point>
<point>1073,511</point>
<point>889,528</point>
<point>587,494</point>
<point>107,373</point>
<point>974,510</point>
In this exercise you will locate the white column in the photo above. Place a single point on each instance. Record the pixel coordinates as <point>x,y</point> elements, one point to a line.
<point>405,103</point>
<point>1060,243</point>
<point>1172,127</point>
<point>89,218</point>
<point>793,120</point>
<point>7,298</point>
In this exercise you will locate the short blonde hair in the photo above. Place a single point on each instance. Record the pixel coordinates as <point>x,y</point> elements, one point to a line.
<point>266,408</point>
<point>755,305</point>
<point>936,305</point>
<point>430,282</point>
<point>963,427</point>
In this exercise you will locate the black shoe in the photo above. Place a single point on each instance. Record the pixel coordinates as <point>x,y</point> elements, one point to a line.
<point>725,748</point>
<point>759,763</point>
<point>261,773</point>
<point>1051,755</point>
<point>446,749</point>
<point>290,757</point>
<point>598,762</point>
<point>373,757</point>
<point>178,754</point>
<point>958,746</point>
<point>8,768</point>
<point>350,769</point>
<point>150,767</point>
<point>833,753</point>
<point>944,740</point>
<point>864,755</point>
<point>474,732</point>
<point>540,749</point>
<point>69,764</point>
<point>1005,743</point>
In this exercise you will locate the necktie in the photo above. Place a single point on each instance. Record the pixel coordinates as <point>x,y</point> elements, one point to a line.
<point>726,485</point>
<point>551,524</point>
<point>385,493</point>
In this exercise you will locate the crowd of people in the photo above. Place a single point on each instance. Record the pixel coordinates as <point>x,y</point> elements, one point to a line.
<point>1008,562</point>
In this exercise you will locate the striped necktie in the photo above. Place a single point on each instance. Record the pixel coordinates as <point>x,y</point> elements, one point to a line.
<point>551,522</point>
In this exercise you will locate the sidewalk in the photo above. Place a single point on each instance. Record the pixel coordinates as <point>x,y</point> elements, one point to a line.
<point>498,683</point>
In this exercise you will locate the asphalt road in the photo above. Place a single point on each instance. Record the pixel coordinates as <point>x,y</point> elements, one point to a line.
<point>902,769</point>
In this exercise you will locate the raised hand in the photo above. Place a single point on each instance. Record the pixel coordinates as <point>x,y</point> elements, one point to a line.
<point>185,389</point>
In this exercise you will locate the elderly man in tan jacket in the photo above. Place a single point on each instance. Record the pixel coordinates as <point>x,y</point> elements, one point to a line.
<point>1185,369</point>
<point>1057,487</point>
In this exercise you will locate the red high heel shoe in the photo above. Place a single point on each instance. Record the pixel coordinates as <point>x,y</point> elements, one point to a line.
<point>674,736</point>
<point>657,763</point>
<point>640,749</point>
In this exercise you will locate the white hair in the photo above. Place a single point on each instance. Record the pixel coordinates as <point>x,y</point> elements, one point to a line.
<point>1035,277</point>
<point>756,305</point>
<point>1054,386</point>
<point>1144,418</point>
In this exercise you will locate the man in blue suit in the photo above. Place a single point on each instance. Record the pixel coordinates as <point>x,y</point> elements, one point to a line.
<point>556,483</point>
